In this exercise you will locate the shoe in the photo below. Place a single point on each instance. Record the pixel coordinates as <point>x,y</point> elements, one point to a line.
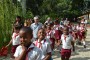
<point>84,46</point>
<point>79,43</point>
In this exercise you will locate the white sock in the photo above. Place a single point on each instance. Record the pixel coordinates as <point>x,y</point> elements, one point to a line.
<point>84,43</point>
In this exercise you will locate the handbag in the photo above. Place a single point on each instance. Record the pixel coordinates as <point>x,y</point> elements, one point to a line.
<point>4,51</point>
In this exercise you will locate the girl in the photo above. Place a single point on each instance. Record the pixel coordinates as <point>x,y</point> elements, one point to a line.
<point>18,21</point>
<point>67,44</point>
<point>15,39</point>
<point>43,44</point>
<point>50,35</point>
<point>82,31</point>
<point>57,31</point>
<point>28,22</point>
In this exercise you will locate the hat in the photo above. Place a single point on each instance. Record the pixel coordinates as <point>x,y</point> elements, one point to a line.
<point>36,17</point>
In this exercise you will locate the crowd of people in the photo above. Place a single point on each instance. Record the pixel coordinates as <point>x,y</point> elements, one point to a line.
<point>36,41</point>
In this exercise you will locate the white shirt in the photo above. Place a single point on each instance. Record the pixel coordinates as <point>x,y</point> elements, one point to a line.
<point>85,21</point>
<point>50,34</point>
<point>48,21</point>
<point>35,54</point>
<point>45,46</point>
<point>56,27</point>
<point>15,39</point>
<point>35,28</point>
<point>66,44</point>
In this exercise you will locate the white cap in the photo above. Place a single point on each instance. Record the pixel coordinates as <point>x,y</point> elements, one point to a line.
<point>36,17</point>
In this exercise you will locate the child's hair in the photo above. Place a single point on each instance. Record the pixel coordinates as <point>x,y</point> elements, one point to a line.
<point>17,26</point>
<point>56,21</point>
<point>41,29</point>
<point>18,17</point>
<point>27,30</point>
<point>66,28</point>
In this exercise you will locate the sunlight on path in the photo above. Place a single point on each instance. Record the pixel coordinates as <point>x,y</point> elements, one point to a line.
<point>80,53</point>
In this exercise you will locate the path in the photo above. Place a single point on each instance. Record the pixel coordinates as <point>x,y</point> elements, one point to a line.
<point>80,53</point>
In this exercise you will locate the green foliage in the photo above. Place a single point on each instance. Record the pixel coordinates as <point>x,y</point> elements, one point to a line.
<point>29,8</point>
<point>8,11</point>
<point>29,14</point>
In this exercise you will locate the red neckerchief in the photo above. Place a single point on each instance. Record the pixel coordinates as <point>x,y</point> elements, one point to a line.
<point>65,37</point>
<point>48,32</point>
<point>40,44</point>
<point>15,35</point>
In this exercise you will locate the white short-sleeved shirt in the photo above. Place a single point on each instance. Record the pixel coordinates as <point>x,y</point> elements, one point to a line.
<point>66,43</point>
<point>15,39</point>
<point>45,46</point>
<point>78,27</point>
<point>50,34</point>
<point>56,27</point>
<point>35,28</point>
<point>35,54</point>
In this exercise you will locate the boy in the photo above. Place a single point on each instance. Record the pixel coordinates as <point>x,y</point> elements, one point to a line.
<point>67,44</point>
<point>26,50</point>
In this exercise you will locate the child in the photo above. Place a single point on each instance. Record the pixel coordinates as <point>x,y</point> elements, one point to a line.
<point>28,22</point>
<point>57,30</point>
<point>15,39</point>
<point>43,44</point>
<point>19,21</point>
<point>67,44</point>
<point>82,33</point>
<point>50,35</point>
<point>27,50</point>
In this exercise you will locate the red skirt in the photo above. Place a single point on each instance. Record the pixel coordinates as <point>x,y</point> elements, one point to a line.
<point>53,42</point>
<point>57,34</point>
<point>81,35</point>
<point>13,49</point>
<point>66,53</point>
<point>75,35</point>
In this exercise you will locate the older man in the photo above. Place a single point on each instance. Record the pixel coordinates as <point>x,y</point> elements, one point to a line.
<point>36,26</point>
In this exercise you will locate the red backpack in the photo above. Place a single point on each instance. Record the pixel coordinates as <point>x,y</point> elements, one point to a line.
<point>4,51</point>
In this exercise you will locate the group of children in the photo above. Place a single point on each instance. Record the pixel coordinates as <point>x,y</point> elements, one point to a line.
<point>31,44</point>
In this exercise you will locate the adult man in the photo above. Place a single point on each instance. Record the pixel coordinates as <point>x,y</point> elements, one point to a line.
<point>36,26</point>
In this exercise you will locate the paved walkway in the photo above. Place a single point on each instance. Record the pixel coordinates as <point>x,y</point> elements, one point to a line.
<point>80,53</point>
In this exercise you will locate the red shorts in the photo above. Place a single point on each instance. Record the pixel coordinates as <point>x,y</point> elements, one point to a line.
<point>57,34</point>
<point>66,53</point>
<point>81,35</point>
<point>13,49</point>
<point>75,35</point>
<point>52,40</point>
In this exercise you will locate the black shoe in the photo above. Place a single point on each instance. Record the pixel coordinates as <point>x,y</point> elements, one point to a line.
<point>84,46</point>
<point>79,43</point>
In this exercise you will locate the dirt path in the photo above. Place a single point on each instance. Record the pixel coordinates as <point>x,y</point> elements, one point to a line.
<point>80,53</point>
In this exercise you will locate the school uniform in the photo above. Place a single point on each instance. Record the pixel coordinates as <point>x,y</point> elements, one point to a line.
<point>44,45</point>
<point>50,36</point>
<point>57,32</point>
<point>66,45</point>
<point>82,32</point>
<point>34,54</point>
<point>15,42</point>
<point>74,32</point>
